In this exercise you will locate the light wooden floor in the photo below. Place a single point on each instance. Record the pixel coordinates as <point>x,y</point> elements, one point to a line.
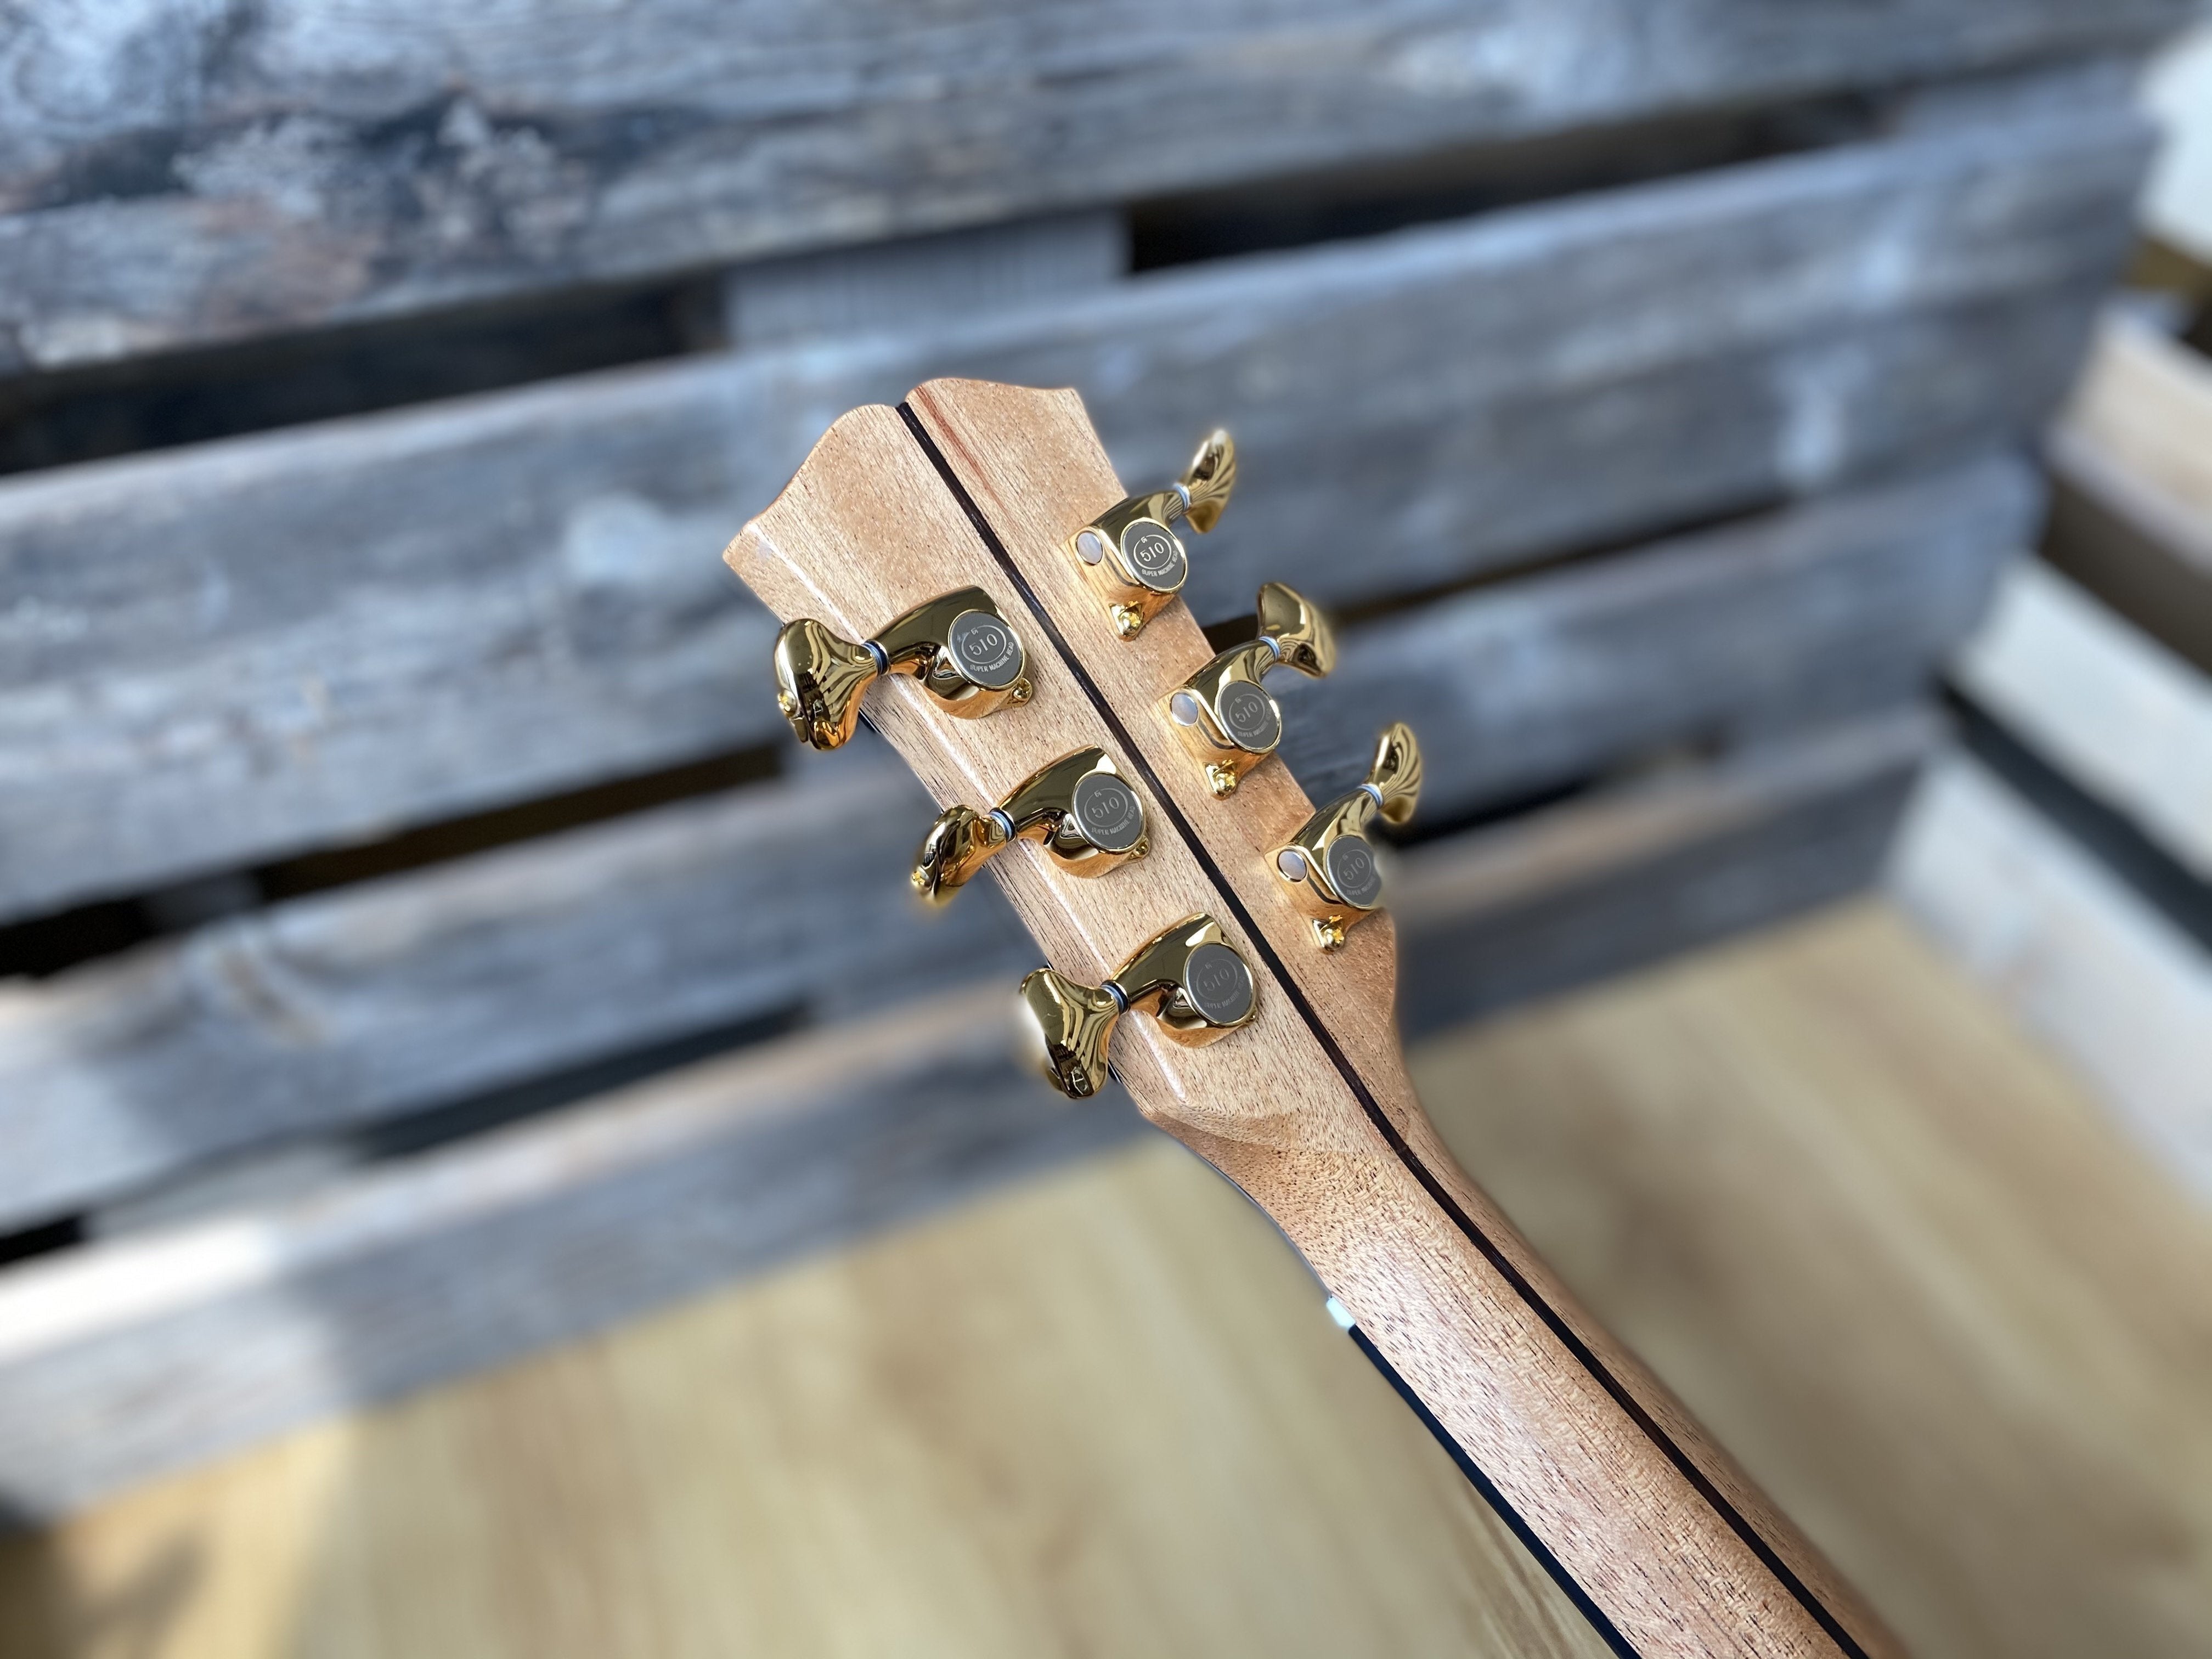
<point>1877,1241</point>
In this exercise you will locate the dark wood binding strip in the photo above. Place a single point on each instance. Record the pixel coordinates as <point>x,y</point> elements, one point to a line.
<point>1541,1552</point>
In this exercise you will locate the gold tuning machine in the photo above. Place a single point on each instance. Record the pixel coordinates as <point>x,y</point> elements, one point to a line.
<point>1187,976</point>
<point>1134,562</point>
<point>956,645</point>
<point>1089,818</point>
<point>1329,868</point>
<point>1224,715</point>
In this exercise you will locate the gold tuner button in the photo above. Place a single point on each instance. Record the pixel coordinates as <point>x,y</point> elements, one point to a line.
<point>1224,715</point>
<point>1330,868</point>
<point>1133,560</point>
<point>1187,977</point>
<point>957,645</point>
<point>1084,811</point>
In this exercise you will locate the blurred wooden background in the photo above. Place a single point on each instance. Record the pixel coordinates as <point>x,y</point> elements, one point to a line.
<point>1912,1275</point>
<point>2064,851</point>
<point>387,768</point>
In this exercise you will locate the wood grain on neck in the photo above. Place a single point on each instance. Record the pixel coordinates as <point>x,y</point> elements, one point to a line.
<point>1309,1109</point>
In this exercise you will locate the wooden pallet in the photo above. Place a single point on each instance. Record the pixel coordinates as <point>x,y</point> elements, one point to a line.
<point>1652,406</point>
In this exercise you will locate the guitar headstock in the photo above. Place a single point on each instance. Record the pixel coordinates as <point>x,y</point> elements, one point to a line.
<point>1217,938</point>
<point>969,565</point>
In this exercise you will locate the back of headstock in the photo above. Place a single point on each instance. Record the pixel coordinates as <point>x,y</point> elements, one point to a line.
<point>1031,469</point>
<point>1291,1081</point>
<point>871,529</point>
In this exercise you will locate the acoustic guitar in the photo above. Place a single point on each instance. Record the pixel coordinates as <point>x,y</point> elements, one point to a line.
<point>967,573</point>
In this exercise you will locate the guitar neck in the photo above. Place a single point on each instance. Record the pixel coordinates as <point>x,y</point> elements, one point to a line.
<point>1665,1545</point>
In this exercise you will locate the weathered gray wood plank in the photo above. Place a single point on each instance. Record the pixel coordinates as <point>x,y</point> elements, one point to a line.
<point>1833,608</point>
<point>1599,886</point>
<point>127,1359</point>
<point>368,1000</point>
<point>387,996</point>
<point>1479,393</point>
<point>234,1330</point>
<point>181,179</point>
<point>308,637</point>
